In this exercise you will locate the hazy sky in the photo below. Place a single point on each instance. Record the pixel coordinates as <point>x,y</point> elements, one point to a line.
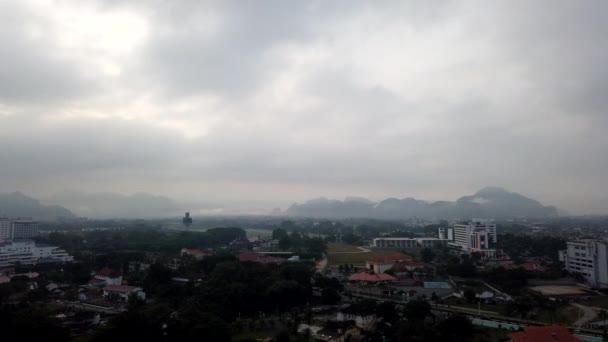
<point>275,101</point>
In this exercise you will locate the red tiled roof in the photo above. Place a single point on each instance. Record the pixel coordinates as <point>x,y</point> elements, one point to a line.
<point>259,257</point>
<point>119,288</point>
<point>543,334</point>
<point>194,251</point>
<point>388,258</point>
<point>531,266</point>
<point>364,276</point>
<point>107,272</point>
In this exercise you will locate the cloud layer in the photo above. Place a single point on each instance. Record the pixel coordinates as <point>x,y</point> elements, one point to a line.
<point>273,101</point>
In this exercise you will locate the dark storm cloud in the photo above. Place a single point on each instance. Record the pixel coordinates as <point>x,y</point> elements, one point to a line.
<point>276,100</point>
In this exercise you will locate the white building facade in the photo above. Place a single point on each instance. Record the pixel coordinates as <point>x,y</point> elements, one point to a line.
<point>477,236</point>
<point>27,252</point>
<point>408,242</point>
<point>588,258</point>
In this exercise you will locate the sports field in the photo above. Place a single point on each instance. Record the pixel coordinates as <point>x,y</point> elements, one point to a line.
<point>559,290</point>
<point>340,253</point>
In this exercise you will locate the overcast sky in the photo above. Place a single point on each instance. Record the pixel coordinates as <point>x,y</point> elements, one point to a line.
<point>281,101</point>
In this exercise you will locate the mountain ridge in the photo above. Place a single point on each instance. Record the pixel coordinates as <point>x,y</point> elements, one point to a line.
<point>16,204</point>
<point>488,202</point>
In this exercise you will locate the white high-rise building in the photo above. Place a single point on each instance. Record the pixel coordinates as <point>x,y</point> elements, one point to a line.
<point>589,258</point>
<point>477,236</point>
<point>464,234</point>
<point>20,228</point>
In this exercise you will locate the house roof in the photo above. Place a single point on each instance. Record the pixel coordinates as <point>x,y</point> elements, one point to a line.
<point>108,272</point>
<point>407,264</point>
<point>259,257</point>
<point>543,334</point>
<point>194,251</point>
<point>371,277</point>
<point>390,258</point>
<point>119,288</point>
<point>531,266</point>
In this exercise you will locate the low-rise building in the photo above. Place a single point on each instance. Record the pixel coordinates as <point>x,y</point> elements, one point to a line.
<point>363,316</point>
<point>364,277</point>
<point>106,276</point>
<point>195,253</point>
<point>403,242</point>
<point>383,263</point>
<point>28,252</point>
<point>122,292</point>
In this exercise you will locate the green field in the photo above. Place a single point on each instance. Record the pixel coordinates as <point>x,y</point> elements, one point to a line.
<point>341,253</point>
<point>340,247</point>
<point>262,233</point>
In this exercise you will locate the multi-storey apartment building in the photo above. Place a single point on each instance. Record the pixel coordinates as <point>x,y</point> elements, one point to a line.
<point>588,258</point>
<point>20,228</point>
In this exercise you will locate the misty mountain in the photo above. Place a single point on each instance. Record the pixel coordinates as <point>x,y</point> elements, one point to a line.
<point>113,205</point>
<point>323,207</point>
<point>16,204</point>
<point>491,202</point>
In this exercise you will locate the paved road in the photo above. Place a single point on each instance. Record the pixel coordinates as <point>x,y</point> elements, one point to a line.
<point>588,315</point>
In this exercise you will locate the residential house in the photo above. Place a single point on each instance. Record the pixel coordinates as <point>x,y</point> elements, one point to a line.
<point>383,263</point>
<point>195,253</point>
<point>122,292</point>
<point>106,276</point>
<point>364,277</point>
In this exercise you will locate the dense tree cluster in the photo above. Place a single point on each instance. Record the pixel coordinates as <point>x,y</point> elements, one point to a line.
<point>302,244</point>
<point>232,289</point>
<point>153,240</point>
<point>518,246</point>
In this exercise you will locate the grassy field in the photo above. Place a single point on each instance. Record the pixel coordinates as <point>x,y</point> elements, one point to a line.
<point>262,233</point>
<point>341,253</point>
<point>339,247</point>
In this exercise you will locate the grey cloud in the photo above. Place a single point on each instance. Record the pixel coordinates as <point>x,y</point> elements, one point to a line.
<point>523,108</point>
<point>31,71</point>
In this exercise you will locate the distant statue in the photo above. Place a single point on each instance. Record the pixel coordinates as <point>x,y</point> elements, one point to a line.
<point>187,220</point>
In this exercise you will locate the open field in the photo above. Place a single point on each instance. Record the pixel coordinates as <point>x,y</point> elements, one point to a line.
<point>339,247</point>
<point>341,253</point>
<point>262,233</point>
<point>559,290</point>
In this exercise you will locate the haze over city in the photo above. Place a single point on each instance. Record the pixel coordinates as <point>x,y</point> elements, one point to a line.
<point>256,105</point>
